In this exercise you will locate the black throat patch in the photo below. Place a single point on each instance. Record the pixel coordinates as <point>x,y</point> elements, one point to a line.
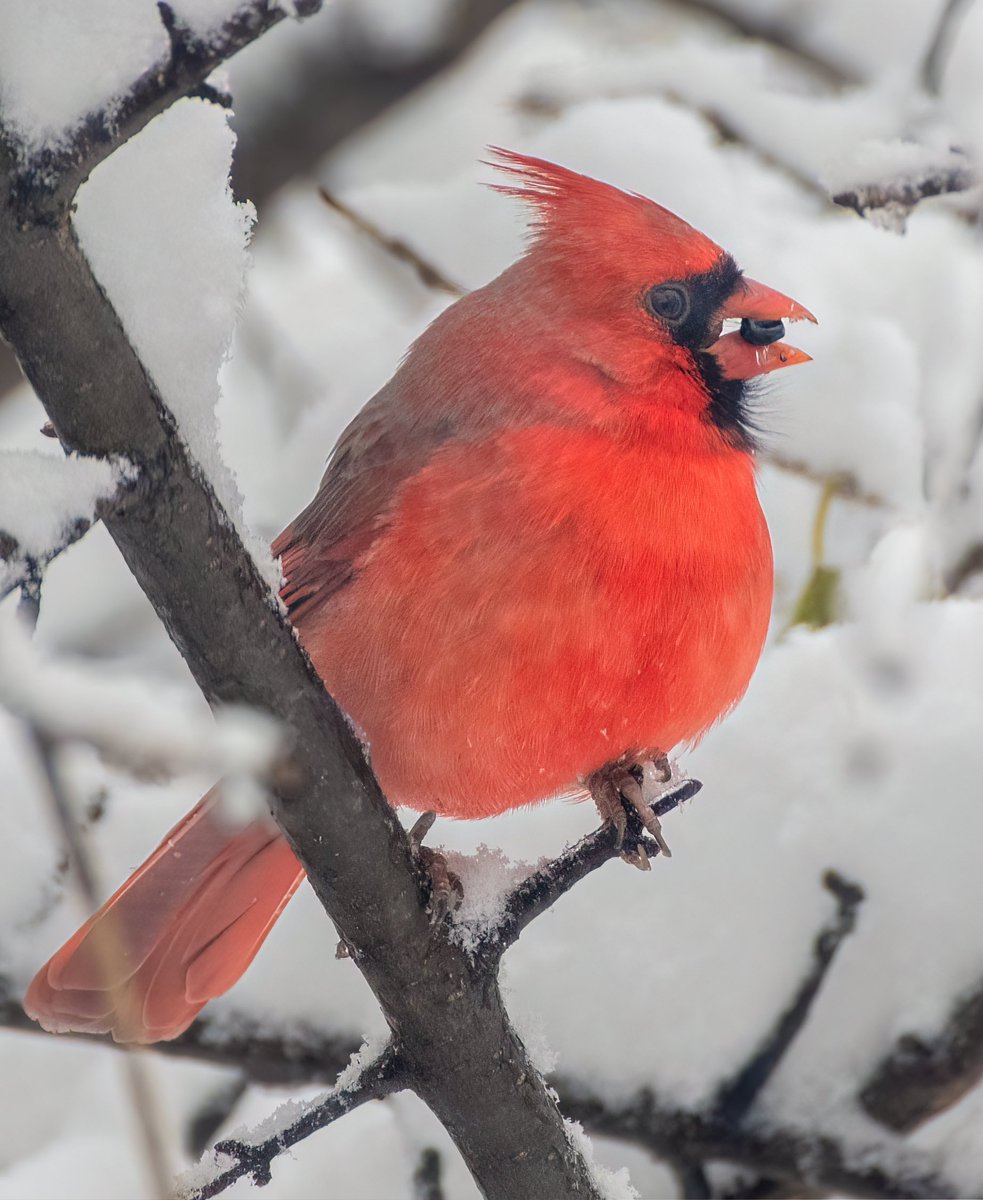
<point>727,399</point>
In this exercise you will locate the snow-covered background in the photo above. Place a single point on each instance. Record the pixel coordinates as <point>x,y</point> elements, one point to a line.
<point>859,745</point>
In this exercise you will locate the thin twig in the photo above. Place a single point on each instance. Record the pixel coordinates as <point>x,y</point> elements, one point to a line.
<point>801,1158</point>
<point>737,1095</point>
<point>429,275</point>
<point>427,1176</point>
<point>137,1079</point>
<point>288,1054</point>
<point>845,485</point>
<point>923,1076</point>
<point>254,1160</point>
<point>897,197</point>
<point>544,887</point>
<point>933,65</point>
<point>29,568</point>
<point>691,1179</point>
<point>544,104</point>
<point>48,180</point>
<point>781,34</point>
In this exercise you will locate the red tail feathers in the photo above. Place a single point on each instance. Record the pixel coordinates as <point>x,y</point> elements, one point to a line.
<point>179,932</point>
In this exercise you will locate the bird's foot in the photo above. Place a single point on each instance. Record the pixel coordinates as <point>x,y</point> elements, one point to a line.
<point>616,789</point>
<point>446,889</point>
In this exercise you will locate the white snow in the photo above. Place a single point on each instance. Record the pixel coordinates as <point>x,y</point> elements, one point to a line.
<point>174,179</point>
<point>858,746</point>
<point>48,83</point>
<point>612,1185</point>
<point>42,497</point>
<point>151,733</point>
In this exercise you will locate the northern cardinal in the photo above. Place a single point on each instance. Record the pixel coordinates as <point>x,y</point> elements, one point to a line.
<point>535,561</point>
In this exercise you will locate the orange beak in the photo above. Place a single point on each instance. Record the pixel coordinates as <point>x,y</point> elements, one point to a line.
<point>749,352</point>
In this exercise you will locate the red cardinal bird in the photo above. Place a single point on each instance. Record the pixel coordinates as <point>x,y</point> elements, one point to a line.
<point>536,560</point>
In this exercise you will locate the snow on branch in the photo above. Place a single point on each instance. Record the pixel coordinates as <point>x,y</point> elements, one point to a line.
<point>190,560</point>
<point>46,504</point>
<point>48,178</point>
<point>906,174</point>
<point>151,733</point>
<point>737,1095</point>
<point>250,1153</point>
<point>798,1159</point>
<point>541,890</point>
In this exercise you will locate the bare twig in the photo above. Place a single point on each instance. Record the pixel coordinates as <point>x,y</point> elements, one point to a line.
<point>545,104</point>
<point>426,1177</point>
<point>782,34</point>
<point>137,1080</point>
<point>800,1158</point>
<point>543,888</point>
<point>254,1160</point>
<point>897,197</point>
<point>845,485</point>
<point>331,96</point>
<point>938,49</point>
<point>737,1094</point>
<point>921,1076</point>
<point>429,275</point>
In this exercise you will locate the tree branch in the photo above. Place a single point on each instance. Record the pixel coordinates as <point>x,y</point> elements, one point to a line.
<point>543,888</point>
<point>460,1051</point>
<point>883,1171</point>
<point>737,1095</point>
<point>922,1077</point>
<point>897,197</point>
<point>254,1159</point>
<point>800,1160</point>
<point>428,274</point>
<point>44,184</point>
<point>938,49</point>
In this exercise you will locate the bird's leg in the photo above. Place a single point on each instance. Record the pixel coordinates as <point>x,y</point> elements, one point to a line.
<point>616,789</point>
<point>446,889</point>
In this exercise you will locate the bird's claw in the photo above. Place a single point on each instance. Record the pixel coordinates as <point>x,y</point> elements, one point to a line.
<point>617,790</point>
<point>446,889</point>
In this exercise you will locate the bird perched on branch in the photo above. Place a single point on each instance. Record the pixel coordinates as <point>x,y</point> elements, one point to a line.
<point>536,561</point>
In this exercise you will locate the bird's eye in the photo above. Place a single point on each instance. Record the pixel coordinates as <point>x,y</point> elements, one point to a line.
<point>669,302</point>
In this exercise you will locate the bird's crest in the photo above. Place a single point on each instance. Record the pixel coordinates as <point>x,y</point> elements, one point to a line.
<point>574,210</point>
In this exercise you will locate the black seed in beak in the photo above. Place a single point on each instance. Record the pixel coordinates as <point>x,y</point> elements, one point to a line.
<point>762,333</point>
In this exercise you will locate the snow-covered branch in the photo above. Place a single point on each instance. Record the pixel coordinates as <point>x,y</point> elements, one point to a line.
<point>737,1095</point>
<point>541,890</point>
<point>250,1154</point>
<point>44,182</point>
<point>798,1158</point>
<point>185,552</point>
<point>891,199</point>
